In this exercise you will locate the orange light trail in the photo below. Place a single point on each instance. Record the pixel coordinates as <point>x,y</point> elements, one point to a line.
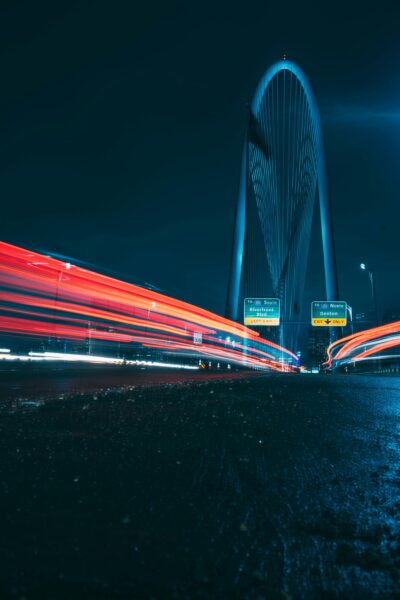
<point>364,343</point>
<point>44,297</point>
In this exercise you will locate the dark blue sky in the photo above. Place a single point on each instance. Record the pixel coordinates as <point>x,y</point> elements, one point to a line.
<point>121,129</point>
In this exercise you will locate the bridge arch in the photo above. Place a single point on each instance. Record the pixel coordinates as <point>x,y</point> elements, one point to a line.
<point>283,168</point>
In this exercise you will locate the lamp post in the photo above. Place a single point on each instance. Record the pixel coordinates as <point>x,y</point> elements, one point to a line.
<point>350,311</point>
<point>151,306</point>
<point>59,277</point>
<point>67,266</point>
<point>371,276</point>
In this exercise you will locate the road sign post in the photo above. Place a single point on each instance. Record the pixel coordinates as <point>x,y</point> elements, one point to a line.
<point>197,337</point>
<point>262,311</point>
<point>328,313</point>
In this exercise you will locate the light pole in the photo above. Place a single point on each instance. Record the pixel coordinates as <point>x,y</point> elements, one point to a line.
<point>152,305</point>
<point>350,311</point>
<point>371,276</point>
<point>59,278</point>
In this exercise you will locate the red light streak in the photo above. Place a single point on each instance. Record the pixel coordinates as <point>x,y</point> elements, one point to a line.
<point>58,300</point>
<point>353,347</point>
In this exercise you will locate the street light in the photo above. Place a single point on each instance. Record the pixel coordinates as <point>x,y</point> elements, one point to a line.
<point>370,272</point>
<point>152,305</point>
<point>350,311</point>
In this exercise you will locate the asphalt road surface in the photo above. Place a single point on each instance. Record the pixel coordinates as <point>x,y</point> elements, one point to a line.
<point>276,486</point>
<point>39,381</point>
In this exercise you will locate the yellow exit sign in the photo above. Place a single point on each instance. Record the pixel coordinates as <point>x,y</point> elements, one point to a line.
<point>329,322</point>
<point>328,313</point>
<point>261,320</point>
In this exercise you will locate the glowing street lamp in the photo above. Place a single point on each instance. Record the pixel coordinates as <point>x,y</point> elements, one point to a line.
<point>350,311</point>
<point>370,272</point>
<point>152,305</point>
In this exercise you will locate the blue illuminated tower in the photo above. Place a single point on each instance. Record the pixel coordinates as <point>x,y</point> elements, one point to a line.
<point>283,168</point>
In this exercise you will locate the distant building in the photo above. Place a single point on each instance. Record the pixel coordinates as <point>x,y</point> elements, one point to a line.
<point>390,315</point>
<point>363,320</point>
<point>318,341</point>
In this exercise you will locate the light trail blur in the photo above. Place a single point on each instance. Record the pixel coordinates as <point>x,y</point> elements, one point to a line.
<point>85,358</point>
<point>364,345</point>
<point>49,300</point>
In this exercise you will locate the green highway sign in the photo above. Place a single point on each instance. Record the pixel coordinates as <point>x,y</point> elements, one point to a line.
<point>328,313</point>
<point>261,311</point>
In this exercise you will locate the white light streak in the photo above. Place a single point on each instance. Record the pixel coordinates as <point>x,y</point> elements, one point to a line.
<point>103,360</point>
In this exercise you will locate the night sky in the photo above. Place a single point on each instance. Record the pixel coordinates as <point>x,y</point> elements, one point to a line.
<point>122,124</point>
